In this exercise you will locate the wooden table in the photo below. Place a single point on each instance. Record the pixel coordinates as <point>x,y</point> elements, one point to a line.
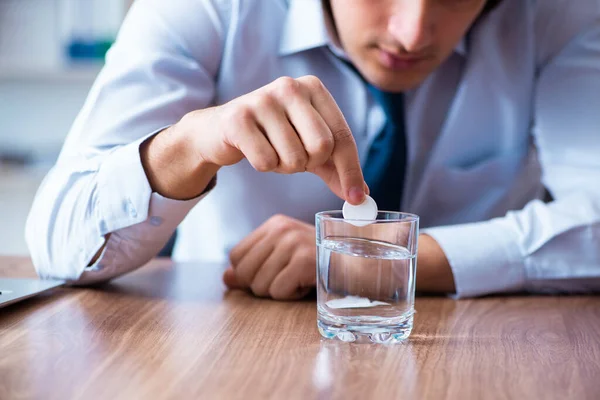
<point>171,331</point>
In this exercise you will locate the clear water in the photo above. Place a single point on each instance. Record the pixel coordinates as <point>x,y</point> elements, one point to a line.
<point>365,290</point>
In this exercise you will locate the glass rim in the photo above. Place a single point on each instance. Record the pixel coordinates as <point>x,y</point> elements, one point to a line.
<point>403,216</point>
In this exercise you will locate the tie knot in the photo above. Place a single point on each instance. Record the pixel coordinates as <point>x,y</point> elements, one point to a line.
<point>391,103</point>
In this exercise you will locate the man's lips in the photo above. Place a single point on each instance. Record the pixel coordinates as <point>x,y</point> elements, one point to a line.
<point>399,62</point>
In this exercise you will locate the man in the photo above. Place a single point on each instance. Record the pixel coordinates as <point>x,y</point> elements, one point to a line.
<point>284,100</point>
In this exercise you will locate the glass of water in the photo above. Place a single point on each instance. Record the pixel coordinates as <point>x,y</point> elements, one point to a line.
<point>366,276</point>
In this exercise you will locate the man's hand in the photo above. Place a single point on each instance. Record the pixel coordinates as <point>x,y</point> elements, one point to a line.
<point>287,126</point>
<point>277,260</point>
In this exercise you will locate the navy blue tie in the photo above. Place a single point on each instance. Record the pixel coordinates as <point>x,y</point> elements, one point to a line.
<point>385,164</point>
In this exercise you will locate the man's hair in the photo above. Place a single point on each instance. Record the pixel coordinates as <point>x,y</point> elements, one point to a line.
<point>490,5</point>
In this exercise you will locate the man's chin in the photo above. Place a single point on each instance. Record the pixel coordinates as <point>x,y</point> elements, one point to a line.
<point>396,83</point>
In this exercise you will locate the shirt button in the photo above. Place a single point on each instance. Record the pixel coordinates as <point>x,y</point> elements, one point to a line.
<point>131,209</point>
<point>103,228</point>
<point>156,221</point>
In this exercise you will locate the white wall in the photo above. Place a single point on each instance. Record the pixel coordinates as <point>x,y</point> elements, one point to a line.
<point>29,32</point>
<point>17,189</point>
<point>41,91</point>
<point>36,116</point>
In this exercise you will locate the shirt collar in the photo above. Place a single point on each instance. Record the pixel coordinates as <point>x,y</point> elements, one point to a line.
<point>461,47</point>
<point>306,27</point>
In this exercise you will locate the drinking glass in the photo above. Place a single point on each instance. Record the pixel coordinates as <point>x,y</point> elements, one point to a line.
<point>366,276</point>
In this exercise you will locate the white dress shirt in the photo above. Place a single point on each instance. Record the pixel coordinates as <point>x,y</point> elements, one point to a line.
<point>515,108</point>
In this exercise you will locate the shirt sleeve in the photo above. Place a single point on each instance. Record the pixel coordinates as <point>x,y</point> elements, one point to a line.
<point>163,65</point>
<point>553,247</point>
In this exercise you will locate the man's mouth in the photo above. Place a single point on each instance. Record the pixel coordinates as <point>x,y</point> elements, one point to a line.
<point>398,61</point>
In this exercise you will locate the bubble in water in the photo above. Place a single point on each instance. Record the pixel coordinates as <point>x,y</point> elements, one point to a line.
<point>346,336</point>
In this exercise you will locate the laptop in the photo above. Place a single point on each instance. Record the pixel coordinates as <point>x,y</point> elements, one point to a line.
<point>13,290</point>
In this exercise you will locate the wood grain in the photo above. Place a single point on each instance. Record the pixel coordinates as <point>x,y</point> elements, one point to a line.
<point>171,331</point>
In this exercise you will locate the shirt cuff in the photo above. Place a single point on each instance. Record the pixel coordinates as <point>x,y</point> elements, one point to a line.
<point>129,247</point>
<point>139,221</point>
<point>124,193</point>
<point>123,190</point>
<point>484,257</point>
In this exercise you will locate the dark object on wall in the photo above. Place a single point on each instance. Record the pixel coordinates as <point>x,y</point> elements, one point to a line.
<point>15,158</point>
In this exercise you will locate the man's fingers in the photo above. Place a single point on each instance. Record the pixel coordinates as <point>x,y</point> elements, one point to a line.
<point>329,175</point>
<point>283,137</point>
<point>252,252</point>
<point>247,243</point>
<point>345,154</point>
<point>230,280</point>
<point>294,125</point>
<point>295,280</point>
<point>252,261</point>
<point>345,158</point>
<point>253,144</point>
<point>314,133</point>
<point>274,263</point>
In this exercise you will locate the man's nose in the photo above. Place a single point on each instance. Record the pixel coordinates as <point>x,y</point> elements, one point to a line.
<point>411,25</point>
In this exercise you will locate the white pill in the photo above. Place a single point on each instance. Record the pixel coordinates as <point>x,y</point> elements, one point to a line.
<point>363,214</point>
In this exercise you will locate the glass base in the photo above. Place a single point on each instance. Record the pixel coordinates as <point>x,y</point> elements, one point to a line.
<point>381,334</point>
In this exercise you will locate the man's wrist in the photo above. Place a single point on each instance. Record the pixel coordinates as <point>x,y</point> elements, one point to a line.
<point>433,269</point>
<point>171,168</point>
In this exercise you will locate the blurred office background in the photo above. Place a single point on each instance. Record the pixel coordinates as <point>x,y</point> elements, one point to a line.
<point>50,54</point>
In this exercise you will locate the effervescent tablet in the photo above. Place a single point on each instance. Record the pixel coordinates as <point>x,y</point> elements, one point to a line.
<point>363,214</point>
